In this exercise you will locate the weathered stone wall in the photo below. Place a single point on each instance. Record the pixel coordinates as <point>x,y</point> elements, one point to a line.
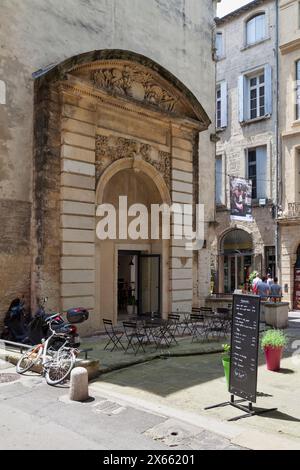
<point>34,34</point>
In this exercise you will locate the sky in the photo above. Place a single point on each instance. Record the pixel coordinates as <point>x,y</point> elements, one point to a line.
<point>226,6</point>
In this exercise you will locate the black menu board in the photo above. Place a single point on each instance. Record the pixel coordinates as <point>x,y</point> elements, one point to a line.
<point>244,347</point>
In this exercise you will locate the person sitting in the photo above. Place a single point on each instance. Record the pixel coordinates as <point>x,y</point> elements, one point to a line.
<point>263,289</point>
<point>276,291</point>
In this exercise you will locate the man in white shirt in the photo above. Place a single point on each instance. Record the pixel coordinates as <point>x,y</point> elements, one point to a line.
<point>270,280</point>
<point>256,281</point>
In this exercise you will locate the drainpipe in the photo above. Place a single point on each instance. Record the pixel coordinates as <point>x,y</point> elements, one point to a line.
<point>278,147</point>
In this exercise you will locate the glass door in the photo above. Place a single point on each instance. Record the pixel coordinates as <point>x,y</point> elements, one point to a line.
<point>149,284</point>
<point>236,272</point>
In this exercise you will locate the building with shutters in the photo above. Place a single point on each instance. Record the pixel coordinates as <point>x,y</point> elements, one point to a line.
<point>246,97</point>
<point>289,121</point>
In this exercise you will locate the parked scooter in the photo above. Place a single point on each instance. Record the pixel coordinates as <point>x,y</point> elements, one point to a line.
<point>15,326</point>
<point>38,328</point>
<point>17,330</point>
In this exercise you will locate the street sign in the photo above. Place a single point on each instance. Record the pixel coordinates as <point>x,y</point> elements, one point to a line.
<point>244,347</point>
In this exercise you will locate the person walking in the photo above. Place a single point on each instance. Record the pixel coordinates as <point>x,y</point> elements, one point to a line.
<point>276,291</point>
<point>255,282</point>
<point>263,289</point>
<point>270,280</point>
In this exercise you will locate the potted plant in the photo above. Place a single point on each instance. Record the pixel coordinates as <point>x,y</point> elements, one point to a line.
<point>273,343</point>
<point>226,362</point>
<point>131,305</point>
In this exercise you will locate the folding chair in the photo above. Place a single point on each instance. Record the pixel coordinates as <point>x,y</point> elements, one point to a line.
<point>185,324</point>
<point>134,337</point>
<point>114,337</point>
<point>174,321</point>
<point>199,329</point>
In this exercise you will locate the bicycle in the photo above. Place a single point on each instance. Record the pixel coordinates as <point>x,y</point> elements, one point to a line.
<point>56,364</point>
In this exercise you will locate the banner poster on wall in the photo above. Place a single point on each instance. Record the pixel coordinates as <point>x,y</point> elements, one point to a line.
<point>241,199</point>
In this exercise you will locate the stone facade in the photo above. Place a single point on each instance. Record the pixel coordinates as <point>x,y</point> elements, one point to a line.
<point>67,126</point>
<point>238,61</point>
<point>289,54</point>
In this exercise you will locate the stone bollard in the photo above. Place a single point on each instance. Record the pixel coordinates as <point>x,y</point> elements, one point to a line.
<point>79,390</point>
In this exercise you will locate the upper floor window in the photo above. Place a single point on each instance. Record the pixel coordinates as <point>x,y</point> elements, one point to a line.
<point>219,45</point>
<point>256,29</point>
<point>219,180</point>
<point>298,89</point>
<point>221,105</point>
<point>255,94</point>
<point>257,171</point>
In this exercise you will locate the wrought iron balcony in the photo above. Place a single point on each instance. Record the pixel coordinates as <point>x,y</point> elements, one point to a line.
<point>294,210</point>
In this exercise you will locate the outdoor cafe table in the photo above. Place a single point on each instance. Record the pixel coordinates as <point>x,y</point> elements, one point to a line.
<point>149,324</point>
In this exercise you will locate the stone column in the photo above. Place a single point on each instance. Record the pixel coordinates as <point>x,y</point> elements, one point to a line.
<point>78,203</point>
<point>181,269</point>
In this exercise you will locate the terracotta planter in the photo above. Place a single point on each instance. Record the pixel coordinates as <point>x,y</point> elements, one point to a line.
<point>273,358</point>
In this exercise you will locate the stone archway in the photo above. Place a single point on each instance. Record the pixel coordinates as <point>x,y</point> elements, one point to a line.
<point>236,259</point>
<point>96,113</point>
<point>141,183</point>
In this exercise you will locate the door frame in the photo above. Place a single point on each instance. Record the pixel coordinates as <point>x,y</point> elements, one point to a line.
<point>148,256</point>
<point>235,256</point>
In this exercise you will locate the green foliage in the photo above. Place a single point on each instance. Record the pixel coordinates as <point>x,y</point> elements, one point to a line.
<point>274,339</point>
<point>252,276</point>
<point>132,300</point>
<point>226,350</point>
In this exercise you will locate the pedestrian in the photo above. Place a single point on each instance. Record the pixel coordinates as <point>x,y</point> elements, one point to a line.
<point>263,289</point>
<point>270,280</point>
<point>255,283</point>
<point>276,291</point>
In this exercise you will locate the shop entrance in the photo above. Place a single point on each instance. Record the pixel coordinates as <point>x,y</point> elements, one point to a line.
<point>238,259</point>
<point>139,284</point>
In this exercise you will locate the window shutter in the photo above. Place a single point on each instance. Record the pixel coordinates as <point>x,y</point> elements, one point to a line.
<point>261,172</point>
<point>298,90</point>
<point>243,98</point>
<point>268,89</point>
<point>224,106</point>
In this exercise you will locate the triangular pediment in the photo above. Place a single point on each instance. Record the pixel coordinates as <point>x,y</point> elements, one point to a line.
<point>139,84</point>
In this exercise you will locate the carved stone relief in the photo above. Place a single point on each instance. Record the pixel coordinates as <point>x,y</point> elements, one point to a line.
<point>133,82</point>
<point>110,149</point>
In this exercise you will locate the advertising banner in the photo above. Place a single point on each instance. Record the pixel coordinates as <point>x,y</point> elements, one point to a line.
<point>241,199</point>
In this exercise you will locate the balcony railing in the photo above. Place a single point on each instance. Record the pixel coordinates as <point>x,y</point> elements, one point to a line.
<point>294,210</point>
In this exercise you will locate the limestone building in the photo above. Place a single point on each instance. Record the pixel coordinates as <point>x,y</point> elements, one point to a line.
<point>246,129</point>
<point>289,121</point>
<point>99,99</point>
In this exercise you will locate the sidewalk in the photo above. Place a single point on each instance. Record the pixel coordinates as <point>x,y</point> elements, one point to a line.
<point>186,385</point>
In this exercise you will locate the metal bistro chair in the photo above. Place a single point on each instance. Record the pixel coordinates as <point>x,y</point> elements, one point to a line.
<point>199,327</point>
<point>174,322</point>
<point>134,337</point>
<point>114,337</point>
<point>222,322</point>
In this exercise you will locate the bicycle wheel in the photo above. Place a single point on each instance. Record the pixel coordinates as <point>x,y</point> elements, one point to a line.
<point>60,367</point>
<point>29,359</point>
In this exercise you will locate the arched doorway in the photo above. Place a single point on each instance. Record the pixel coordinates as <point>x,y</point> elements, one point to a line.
<point>138,274</point>
<point>297,282</point>
<point>237,257</point>
<point>105,116</point>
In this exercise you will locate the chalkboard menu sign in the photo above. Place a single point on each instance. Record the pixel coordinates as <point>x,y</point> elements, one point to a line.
<point>244,347</point>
